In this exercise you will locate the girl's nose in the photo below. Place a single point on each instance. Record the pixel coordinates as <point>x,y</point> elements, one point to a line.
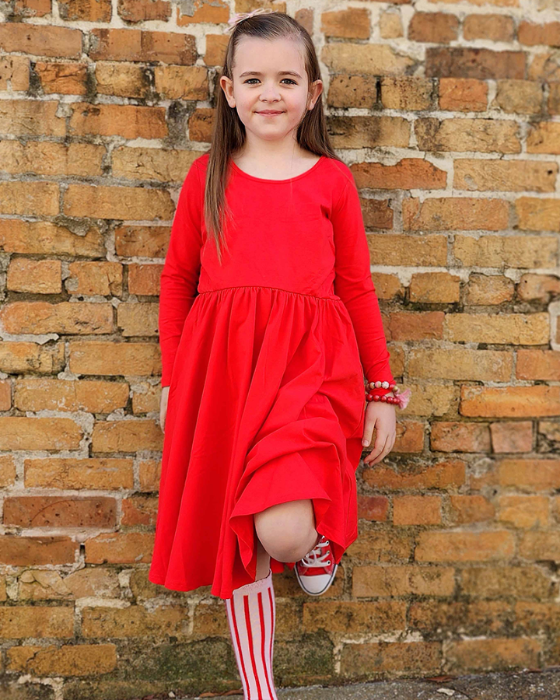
<point>270,92</point>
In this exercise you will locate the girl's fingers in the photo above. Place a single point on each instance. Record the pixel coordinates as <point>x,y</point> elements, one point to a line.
<point>381,449</point>
<point>368,432</point>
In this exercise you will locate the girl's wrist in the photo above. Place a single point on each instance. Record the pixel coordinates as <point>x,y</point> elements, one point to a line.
<point>386,392</point>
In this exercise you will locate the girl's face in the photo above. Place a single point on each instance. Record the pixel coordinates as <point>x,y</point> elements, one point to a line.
<point>270,76</point>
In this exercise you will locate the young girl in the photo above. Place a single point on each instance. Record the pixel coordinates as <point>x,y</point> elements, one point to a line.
<point>268,322</point>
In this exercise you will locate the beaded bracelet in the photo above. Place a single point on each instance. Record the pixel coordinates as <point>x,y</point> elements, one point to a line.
<point>399,398</point>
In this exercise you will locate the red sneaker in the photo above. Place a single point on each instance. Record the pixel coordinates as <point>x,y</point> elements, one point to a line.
<point>316,571</point>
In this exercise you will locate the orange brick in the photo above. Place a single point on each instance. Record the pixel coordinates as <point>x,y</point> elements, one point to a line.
<point>512,251</point>
<point>353,617</point>
<point>122,79</point>
<point>144,279</point>
<point>482,135</point>
<point>413,658</point>
<point>411,325</point>
<point>29,198</point>
<point>537,364</point>
<point>495,654</point>
<point>365,58</point>
<point>14,72</point>
<point>18,357</point>
<point>60,511</point>
<point>128,121</point>
<point>138,318</point>
<point>510,402</point>
<point>35,276</point>
<point>352,23</point>
<point>523,511</point>
<point>22,433</point>
<point>86,10</point>
<point>69,473</point>
<point>38,317</point>
<point>135,621</point>
<point>146,398</point>
<point>488,26</point>
<point>408,173</point>
<point>45,238</point>
<point>373,507</point>
<point>448,436</point>
<point>512,436</point>
<point>409,93</point>
<point>69,660</point>
<point>519,581</point>
<point>532,34</point>
<point>433,27</point>
<point>463,94</point>
<point>540,545</point>
<point>5,396</point>
<point>374,581</point>
<point>144,10</point>
<point>434,288</point>
<point>470,509</point>
<point>351,91</point>
<point>376,545</point>
<point>90,278</point>
<point>139,510</point>
<point>478,617</point>
<point>136,45</point>
<point>107,202</point>
<point>120,548</point>
<point>464,546</point>
<point>40,40</point>
<point>7,471</point>
<point>36,621</point>
<point>211,11</point>
<point>478,63</point>
<point>149,474</point>
<point>442,476</point>
<point>416,510</point>
<point>144,241</point>
<point>518,97</point>
<point>182,82</point>
<point>114,359</point>
<point>62,78</point>
<point>32,8</point>
<point>36,551</point>
<point>126,436</point>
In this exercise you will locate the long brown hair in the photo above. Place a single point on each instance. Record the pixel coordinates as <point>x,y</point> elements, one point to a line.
<point>228,132</point>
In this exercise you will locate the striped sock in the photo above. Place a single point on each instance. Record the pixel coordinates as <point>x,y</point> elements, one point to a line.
<point>251,613</point>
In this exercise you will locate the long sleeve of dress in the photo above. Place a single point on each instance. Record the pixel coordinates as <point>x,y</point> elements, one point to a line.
<point>179,277</point>
<point>353,284</point>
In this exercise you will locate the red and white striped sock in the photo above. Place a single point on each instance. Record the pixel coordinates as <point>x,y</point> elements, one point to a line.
<point>251,613</point>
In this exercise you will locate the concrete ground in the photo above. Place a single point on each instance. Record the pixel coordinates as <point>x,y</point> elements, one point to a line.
<point>522,685</point>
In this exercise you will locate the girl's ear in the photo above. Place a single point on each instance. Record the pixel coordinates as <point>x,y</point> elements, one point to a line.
<point>315,90</point>
<point>227,86</point>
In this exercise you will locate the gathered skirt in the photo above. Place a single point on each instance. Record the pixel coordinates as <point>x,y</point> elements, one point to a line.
<point>266,405</point>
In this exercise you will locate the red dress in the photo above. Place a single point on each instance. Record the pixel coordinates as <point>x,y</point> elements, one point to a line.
<point>264,356</point>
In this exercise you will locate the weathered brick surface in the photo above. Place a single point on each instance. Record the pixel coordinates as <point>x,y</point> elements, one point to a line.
<point>447,117</point>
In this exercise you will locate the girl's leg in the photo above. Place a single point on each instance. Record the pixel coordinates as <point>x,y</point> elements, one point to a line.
<point>263,561</point>
<point>251,613</point>
<point>287,530</point>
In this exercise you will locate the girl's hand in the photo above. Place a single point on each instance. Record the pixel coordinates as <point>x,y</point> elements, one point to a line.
<point>163,407</point>
<point>382,417</point>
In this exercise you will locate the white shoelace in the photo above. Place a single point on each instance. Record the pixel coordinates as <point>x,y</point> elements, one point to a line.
<point>316,557</point>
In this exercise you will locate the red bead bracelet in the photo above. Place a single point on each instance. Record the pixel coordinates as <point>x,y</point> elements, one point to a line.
<point>400,398</point>
<point>388,398</point>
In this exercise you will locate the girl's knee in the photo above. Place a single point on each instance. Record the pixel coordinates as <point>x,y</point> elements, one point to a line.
<point>287,531</point>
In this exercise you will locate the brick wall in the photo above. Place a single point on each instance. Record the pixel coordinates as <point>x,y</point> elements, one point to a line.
<point>450,120</point>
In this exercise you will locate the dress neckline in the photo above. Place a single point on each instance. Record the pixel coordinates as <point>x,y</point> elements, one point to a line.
<point>290,179</point>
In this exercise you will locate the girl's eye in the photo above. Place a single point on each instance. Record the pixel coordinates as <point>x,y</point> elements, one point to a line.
<point>291,81</point>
